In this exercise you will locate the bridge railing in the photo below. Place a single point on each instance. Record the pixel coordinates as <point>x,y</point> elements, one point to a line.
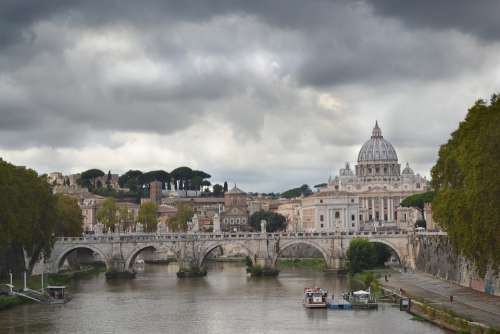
<point>145,237</point>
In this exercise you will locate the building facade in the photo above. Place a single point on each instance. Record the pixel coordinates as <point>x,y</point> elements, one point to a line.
<point>235,214</point>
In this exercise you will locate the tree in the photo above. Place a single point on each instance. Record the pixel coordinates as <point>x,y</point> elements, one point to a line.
<point>107,213</point>
<point>155,175</point>
<point>28,216</point>
<point>178,223</point>
<point>125,217</point>
<point>303,190</point>
<point>466,182</point>
<point>130,180</point>
<point>418,201</point>
<point>182,177</point>
<point>148,216</point>
<point>108,180</point>
<point>360,255</point>
<point>69,221</point>
<point>274,221</point>
<point>321,185</point>
<point>88,178</point>
<point>218,190</point>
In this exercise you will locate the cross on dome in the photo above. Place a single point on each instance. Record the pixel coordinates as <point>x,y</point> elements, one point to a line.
<point>376,133</point>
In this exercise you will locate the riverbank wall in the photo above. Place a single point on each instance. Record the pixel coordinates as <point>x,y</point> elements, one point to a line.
<point>434,255</point>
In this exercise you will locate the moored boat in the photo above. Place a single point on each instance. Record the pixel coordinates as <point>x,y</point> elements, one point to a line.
<point>315,297</point>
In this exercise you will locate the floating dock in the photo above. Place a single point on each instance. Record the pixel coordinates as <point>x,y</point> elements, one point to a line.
<point>339,305</point>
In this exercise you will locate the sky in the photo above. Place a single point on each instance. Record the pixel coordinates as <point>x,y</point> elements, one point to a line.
<point>265,94</point>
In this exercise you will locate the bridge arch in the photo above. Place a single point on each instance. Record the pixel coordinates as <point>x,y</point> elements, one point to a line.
<point>215,245</point>
<point>391,246</point>
<point>314,245</point>
<point>135,252</point>
<point>60,259</point>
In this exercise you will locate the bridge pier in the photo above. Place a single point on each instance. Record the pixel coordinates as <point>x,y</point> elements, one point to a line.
<point>335,266</point>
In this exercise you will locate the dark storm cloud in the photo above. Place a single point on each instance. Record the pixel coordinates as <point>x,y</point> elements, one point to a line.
<point>478,18</point>
<point>295,82</point>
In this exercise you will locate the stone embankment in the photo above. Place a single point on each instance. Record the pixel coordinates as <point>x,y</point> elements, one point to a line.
<point>434,255</point>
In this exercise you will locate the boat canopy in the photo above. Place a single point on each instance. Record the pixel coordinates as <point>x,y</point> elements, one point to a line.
<point>361,293</point>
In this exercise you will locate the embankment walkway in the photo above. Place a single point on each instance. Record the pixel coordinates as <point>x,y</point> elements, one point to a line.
<point>468,303</point>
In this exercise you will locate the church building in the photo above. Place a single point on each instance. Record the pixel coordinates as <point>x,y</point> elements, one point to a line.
<point>367,197</point>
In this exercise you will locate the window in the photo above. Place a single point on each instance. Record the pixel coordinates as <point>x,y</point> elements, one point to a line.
<point>385,170</point>
<point>369,170</point>
<point>321,218</point>
<point>377,170</point>
<point>337,214</point>
<point>352,200</point>
<point>360,217</point>
<point>353,217</point>
<point>385,217</point>
<point>243,220</point>
<point>418,185</point>
<point>321,201</point>
<point>353,224</point>
<point>321,225</point>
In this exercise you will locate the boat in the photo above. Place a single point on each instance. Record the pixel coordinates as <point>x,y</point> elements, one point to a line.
<point>315,297</point>
<point>361,300</point>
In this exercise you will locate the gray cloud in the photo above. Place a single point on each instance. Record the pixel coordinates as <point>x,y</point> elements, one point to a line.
<point>294,85</point>
<point>478,18</point>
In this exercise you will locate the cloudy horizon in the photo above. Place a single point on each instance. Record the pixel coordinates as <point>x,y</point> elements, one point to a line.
<point>266,94</point>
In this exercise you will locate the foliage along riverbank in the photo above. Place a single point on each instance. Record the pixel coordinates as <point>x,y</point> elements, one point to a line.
<point>35,283</point>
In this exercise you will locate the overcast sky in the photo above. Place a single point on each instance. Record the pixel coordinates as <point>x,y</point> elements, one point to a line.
<point>265,94</point>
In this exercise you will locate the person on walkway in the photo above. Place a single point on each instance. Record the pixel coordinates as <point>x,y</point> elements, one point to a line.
<point>451,298</point>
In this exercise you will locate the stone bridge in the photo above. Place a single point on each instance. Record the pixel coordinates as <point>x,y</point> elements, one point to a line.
<point>119,251</point>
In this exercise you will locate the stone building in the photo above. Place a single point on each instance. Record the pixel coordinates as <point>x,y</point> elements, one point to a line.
<point>155,192</point>
<point>291,211</point>
<point>369,195</point>
<point>235,214</point>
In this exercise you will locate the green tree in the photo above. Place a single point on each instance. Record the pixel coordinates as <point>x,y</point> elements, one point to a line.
<point>274,221</point>
<point>218,190</point>
<point>107,213</point>
<point>148,216</point>
<point>28,215</point>
<point>89,177</point>
<point>130,180</point>
<point>182,177</point>
<point>360,255</point>
<point>418,201</point>
<point>69,222</point>
<point>466,181</point>
<point>303,190</point>
<point>178,223</point>
<point>125,217</point>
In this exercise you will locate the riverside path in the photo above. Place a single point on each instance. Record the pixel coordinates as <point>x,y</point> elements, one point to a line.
<point>468,303</point>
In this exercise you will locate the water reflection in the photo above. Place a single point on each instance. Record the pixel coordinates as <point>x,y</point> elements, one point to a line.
<point>225,301</point>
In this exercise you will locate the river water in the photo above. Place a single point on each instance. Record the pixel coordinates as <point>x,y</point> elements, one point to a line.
<point>225,301</point>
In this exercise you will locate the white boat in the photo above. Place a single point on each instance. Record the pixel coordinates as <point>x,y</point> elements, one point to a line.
<point>315,297</point>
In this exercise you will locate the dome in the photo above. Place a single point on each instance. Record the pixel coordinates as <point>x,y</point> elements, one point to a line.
<point>408,170</point>
<point>377,149</point>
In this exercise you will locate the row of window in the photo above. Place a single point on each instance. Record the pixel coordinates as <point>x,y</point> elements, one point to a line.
<point>236,221</point>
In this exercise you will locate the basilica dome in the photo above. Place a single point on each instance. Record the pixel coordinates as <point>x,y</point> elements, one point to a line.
<point>377,149</point>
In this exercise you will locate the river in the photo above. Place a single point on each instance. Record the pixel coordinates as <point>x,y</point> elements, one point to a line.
<point>225,301</point>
